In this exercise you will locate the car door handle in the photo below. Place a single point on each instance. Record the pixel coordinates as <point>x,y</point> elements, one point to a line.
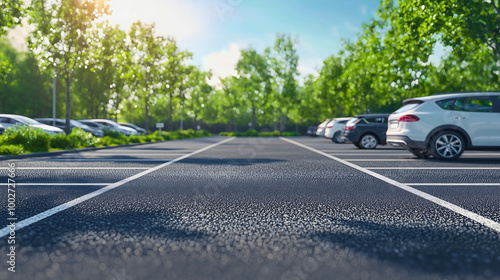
<point>460,118</point>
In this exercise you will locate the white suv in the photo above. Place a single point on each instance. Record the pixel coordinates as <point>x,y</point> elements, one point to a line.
<point>445,125</point>
<point>334,128</point>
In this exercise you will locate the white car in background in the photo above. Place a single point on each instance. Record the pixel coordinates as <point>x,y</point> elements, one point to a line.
<point>447,124</point>
<point>334,128</point>
<point>321,128</point>
<point>9,120</point>
<point>108,124</point>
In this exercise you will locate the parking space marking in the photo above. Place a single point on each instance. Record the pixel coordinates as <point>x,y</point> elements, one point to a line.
<point>131,154</point>
<point>435,168</point>
<point>382,159</point>
<point>104,159</point>
<point>455,208</point>
<point>78,168</point>
<point>58,184</point>
<point>453,184</point>
<point>36,218</point>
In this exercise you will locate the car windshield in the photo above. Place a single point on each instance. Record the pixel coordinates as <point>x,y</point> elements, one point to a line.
<point>26,120</point>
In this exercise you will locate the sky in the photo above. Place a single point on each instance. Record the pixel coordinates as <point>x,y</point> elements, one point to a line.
<point>215,31</point>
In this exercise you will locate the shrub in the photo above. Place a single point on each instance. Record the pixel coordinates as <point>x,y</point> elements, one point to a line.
<point>223,133</point>
<point>79,138</point>
<point>32,139</point>
<point>11,149</point>
<point>270,133</point>
<point>59,141</point>
<point>110,141</point>
<point>290,133</point>
<point>114,134</point>
<point>251,132</point>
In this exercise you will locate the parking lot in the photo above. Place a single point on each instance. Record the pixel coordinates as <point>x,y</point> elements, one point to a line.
<point>255,208</point>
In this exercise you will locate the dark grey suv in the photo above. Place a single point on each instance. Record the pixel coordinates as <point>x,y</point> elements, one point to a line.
<point>366,131</point>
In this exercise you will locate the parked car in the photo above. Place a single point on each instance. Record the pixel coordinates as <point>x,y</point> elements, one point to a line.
<point>311,130</point>
<point>321,128</point>
<point>140,130</point>
<point>366,131</point>
<point>73,124</point>
<point>334,129</point>
<point>9,120</point>
<point>108,124</point>
<point>2,129</point>
<point>445,125</point>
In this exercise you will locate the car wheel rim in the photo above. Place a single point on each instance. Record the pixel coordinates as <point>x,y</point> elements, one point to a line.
<point>369,142</point>
<point>448,145</point>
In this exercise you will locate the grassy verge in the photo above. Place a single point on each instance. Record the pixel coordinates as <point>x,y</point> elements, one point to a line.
<point>25,139</point>
<point>254,133</point>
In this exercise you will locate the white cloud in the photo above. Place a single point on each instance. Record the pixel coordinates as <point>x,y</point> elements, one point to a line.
<point>180,19</point>
<point>363,10</point>
<point>335,31</point>
<point>223,63</point>
<point>350,27</point>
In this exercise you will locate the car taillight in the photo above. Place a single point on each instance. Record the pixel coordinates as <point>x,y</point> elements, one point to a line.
<point>409,118</point>
<point>349,127</point>
<point>330,126</point>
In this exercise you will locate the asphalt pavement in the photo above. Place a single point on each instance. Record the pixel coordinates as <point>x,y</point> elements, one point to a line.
<point>251,208</point>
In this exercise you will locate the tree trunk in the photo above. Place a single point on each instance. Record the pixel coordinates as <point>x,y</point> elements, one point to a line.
<point>170,122</point>
<point>254,118</point>
<point>146,117</point>
<point>67,128</point>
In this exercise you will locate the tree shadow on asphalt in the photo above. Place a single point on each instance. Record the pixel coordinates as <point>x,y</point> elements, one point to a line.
<point>116,227</point>
<point>230,161</point>
<point>448,252</point>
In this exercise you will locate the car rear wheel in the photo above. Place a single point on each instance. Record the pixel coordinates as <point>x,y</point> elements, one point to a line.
<point>447,145</point>
<point>336,138</point>
<point>368,141</point>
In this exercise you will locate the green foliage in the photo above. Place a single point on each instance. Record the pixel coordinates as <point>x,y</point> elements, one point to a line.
<point>254,133</point>
<point>32,139</point>
<point>11,149</point>
<point>270,133</point>
<point>60,141</point>
<point>81,139</point>
<point>290,133</point>
<point>114,134</point>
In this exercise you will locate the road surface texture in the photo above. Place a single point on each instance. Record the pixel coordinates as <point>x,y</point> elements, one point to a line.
<point>253,208</point>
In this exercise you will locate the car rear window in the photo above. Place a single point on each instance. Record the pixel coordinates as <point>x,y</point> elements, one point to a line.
<point>351,121</point>
<point>407,107</point>
<point>374,120</point>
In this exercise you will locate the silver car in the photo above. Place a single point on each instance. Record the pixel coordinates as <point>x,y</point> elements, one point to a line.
<point>9,120</point>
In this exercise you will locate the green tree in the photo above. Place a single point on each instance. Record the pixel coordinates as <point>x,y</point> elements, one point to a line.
<point>12,12</point>
<point>60,36</point>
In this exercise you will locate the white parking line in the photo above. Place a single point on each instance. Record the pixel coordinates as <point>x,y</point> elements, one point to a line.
<point>58,184</point>
<point>435,168</point>
<point>77,168</point>
<point>453,184</point>
<point>103,159</point>
<point>31,220</point>
<point>457,209</point>
<point>130,154</point>
<point>382,159</point>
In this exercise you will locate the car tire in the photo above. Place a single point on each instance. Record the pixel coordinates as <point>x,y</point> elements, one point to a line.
<point>368,141</point>
<point>336,138</point>
<point>447,145</point>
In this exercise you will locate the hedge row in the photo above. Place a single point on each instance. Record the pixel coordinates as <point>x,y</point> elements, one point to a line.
<point>26,139</point>
<point>253,133</point>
